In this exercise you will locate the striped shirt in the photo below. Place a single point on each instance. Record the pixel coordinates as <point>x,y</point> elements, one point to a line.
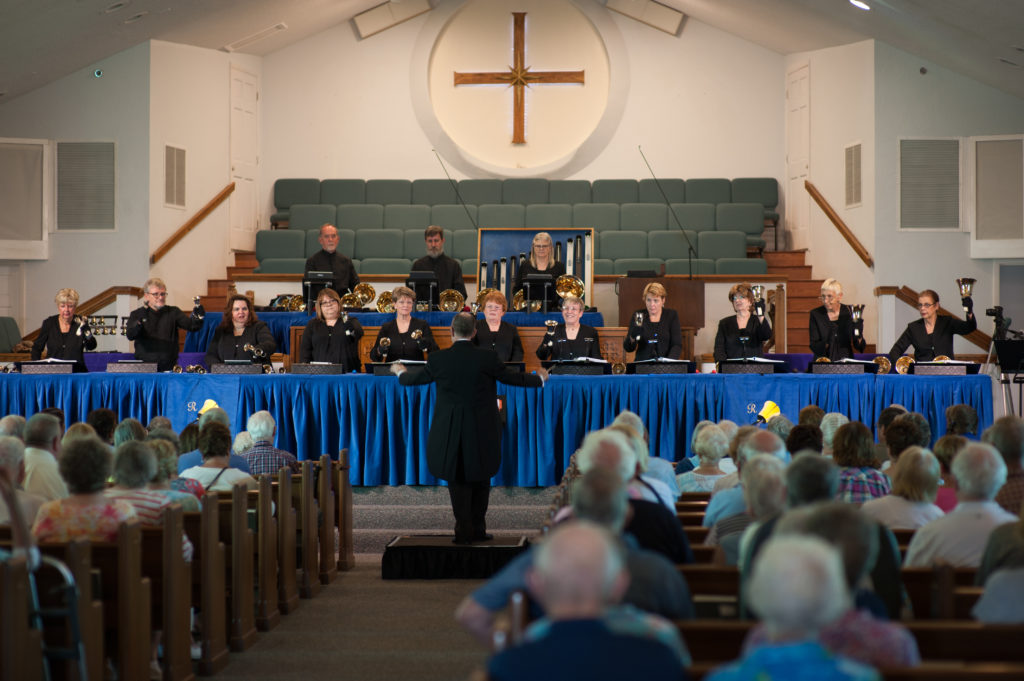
<point>149,506</point>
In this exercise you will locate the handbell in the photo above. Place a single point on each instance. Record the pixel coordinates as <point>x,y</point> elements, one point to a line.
<point>966,285</point>
<point>768,411</point>
<point>857,311</point>
<point>256,350</point>
<point>757,290</point>
<point>417,334</point>
<point>385,342</point>
<point>551,324</point>
<point>639,318</point>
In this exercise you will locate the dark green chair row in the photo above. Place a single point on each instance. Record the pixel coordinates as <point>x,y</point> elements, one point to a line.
<point>10,334</point>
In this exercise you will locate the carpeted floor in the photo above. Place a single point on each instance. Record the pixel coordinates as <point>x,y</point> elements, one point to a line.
<point>361,628</point>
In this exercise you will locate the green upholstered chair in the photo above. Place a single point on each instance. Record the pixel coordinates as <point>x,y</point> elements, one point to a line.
<point>708,190</point>
<point>312,242</point>
<point>388,191</point>
<point>623,244</point>
<point>646,217</point>
<point>669,244</point>
<point>480,191</point>
<point>600,217</point>
<point>360,216</point>
<point>614,191</point>
<point>699,217</point>
<point>743,217</point>
<point>463,244</point>
<point>343,191</point>
<point>412,216</point>
<point>569,191</point>
<point>543,216</point>
<point>741,266</point>
<point>454,216</point>
<point>604,266</point>
<point>626,265</point>
<point>682,266</point>
<point>433,192</point>
<point>379,243</point>
<point>312,215</point>
<point>674,188</point>
<point>280,243</point>
<point>715,245</point>
<point>469,266</point>
<point>10,335</point>
<point>763,190</point>
<point>288,192</point>
<point>281,266</point>
<point>398,266</point>
<point>414,244</point>
<point>502,215</point>
<point>525,190</point>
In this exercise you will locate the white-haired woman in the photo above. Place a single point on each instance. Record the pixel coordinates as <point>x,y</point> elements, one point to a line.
<point>65,336</point>
<point>833,333</point>
<point>911,503</point>
<point>710,446</point>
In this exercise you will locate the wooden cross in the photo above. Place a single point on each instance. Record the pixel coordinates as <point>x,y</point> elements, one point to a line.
<point>519,77</point>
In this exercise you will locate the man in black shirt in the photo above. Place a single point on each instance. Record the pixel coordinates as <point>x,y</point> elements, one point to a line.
<point>448,270</point>
<point>328,260</point>
<point>154,326</point>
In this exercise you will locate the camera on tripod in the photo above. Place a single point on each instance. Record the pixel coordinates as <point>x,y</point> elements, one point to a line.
<point>996,312</point>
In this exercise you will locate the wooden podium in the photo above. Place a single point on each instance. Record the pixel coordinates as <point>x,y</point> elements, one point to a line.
<point>685,296</point>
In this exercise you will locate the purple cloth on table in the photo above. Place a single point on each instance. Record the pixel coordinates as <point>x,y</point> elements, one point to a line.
<point>97,361</point>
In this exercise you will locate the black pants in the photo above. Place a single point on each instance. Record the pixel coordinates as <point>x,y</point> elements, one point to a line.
<point>469,504</point>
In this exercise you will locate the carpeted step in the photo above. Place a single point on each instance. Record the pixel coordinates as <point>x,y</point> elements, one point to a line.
<point>374,541</point>
<point>432,516</point>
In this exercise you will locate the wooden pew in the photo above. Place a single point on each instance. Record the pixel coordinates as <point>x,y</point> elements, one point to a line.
<point>267,613</point>
<point>697,534</point>
<point>343,504</point>
<point>326,500</point>
<point>287,587</point>
<point>170,579</point>
<point>691,506</point>
<point>126,601</point>
<point>239,568</point>
<point>711,580</point>
<point>694,496</point>
<point>703,555</point>
<point>208,594</point>
<point>930,589</point>
<point>21,648</point>
<point>690,518</point>
<point>308,528</point>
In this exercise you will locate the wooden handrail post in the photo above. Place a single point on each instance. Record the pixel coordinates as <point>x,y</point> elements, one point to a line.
<point>191,224</point>
<point>833,216</point>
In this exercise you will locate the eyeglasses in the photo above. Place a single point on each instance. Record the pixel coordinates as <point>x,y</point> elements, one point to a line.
<point>825,297</point>
<point>925,306</point>
<point>328,301</point>
<point>158,294</point>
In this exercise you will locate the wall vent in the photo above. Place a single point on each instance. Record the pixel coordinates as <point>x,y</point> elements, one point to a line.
<point>85,185</point>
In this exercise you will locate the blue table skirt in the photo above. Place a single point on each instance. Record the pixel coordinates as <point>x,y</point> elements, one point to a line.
<point>384,425</point>
<point>280,324</point>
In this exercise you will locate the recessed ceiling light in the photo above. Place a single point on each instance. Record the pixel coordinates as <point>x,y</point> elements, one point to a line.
<point>859,4</point>
<point>1007,61</point>
<point>135,17</point>
<point>115,6</point>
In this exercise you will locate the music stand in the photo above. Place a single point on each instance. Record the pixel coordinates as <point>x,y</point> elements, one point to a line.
<point>314,282</point>
<point>1011,361</point>
<point>424,281</point>
<point>531,282</point>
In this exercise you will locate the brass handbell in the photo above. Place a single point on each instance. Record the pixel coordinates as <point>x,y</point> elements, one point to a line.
<point>519,301</point>
<point>256,350</point>
<point>365,293</point>
<point>417,334</point>
<point>966,285</point>
<point>551,324</point>
<point>884,365</point>
<point>757,290</point>
<point>857,311</point>
<point>903,364</point>
<point>386,302</point>
<point>385,343</point>
<point>483,294</point>
<point>451,300</point>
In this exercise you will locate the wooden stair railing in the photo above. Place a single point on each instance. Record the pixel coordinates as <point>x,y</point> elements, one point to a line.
<point>909,296</point>
<point>191,224</point>
<point>98,302</point>
<point>833,216</point>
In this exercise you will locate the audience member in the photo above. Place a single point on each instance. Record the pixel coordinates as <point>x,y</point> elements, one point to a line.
<point>167,472</point>
<point>764,493</point>
<point>215,473</point>
<point>13,425</point>
<point>915,482</point>
<point>732,475</point>
<point>810,415</point>
<point>599,497</point>
<point>42,442</point>
<point>579,577</point>
<point>959,537</point>
<point>730,501</point>
<point>947,447</point>
<point>129,430</point>
<point>80,429</point>
<point>859,477</point>
<point>797,589</point>
<point>885,419</point>
<point>86,464</point>
<point>710,446</point>
<point>656,466</point>
<point>1002,602</point>
<point>923,427</point>
<point>961,419</point>
<point>263,457</point>
<point>177,483</point>
<point>134,466</point>
<point>12,456</point>
<point>103,421</point>
<point>159,422</point>
<point>188,439</point>
<point>1007,436</point>
<point>57,413</point>
<point>653,488</point>
<point>857,634</point>
<point>830,423</point>
<point>899,435</point>
<point>242,443</point>
<point>804,437</point>
<point>1004,549</point>
<point>780,425</point>
<point>194,457</point>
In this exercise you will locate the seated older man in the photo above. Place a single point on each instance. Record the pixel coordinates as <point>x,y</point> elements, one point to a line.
<point>1007,436</point>
<point>727,502</point>
<point>599,497</point>
<point>959,537</point>
<point>579,577</point>
<point>764,493</point>
<point>263,457</point>
<point>12,455</point>
<point>798,590</point>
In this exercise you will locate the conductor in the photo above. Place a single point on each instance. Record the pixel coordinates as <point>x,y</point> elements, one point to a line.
<point>464,443</point>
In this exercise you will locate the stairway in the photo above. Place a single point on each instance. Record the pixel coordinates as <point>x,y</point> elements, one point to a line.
<point>217,290</point>
<point>802,294</point>
<point>382,513</point>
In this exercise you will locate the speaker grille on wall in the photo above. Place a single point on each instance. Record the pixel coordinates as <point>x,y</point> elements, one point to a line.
<point>85,185</point>
<point>853,175</point>
<point>174,176</point>
<point>929,184</point>
<point>651,13</point>
<point>389,14</point>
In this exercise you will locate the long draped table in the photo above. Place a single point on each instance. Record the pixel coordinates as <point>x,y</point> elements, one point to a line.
<point>384,425</point>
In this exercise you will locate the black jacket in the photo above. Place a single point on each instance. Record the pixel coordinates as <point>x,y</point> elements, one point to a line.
<point>62,345</point>
<point>505,341</point>
<point>155,333</point>
<point>830,339</point>
<point>226,345</point>
<point>940,342</point>
<point>559,347</point>
<point>338,344</point>
<point>664,339</point>
<point>727,340</point>
<point>345,277</point>
<point>403,346</point>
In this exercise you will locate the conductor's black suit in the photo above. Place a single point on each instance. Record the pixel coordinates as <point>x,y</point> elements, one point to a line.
<point>464,443</point>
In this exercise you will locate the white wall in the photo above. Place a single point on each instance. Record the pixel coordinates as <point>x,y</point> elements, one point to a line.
<point>79,108</point>
<point>939,103</point>
<point>842,113</point>
<point>704,104</point>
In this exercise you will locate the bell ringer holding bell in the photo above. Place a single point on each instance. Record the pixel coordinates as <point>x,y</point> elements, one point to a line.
<point>654,331</point>
<point>932,334</point>
<point>154,326</point>
<point>65,335</point>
